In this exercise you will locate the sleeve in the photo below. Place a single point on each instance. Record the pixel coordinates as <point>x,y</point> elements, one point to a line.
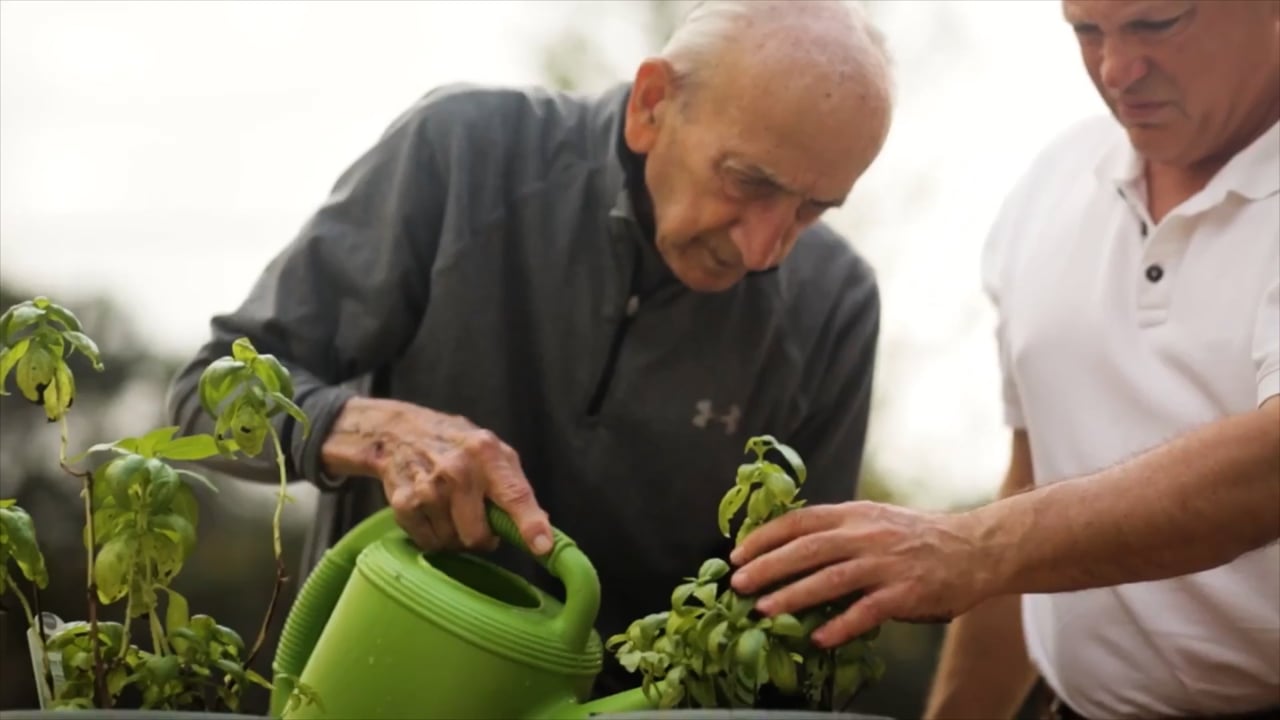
<point>1266,344</point>
<point>343,298</point>
<point>832,438</point>
<point>994,271</point>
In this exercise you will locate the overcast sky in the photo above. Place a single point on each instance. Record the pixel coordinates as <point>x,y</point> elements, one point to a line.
<point>163,152</point>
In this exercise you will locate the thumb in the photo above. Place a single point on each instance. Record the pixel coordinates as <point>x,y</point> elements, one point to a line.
<point>513,494</point>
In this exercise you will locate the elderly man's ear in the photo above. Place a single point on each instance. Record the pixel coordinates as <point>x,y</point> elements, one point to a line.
<point>652,94</point>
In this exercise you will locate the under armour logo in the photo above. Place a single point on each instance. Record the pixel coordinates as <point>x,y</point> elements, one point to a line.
<point>706,414</point>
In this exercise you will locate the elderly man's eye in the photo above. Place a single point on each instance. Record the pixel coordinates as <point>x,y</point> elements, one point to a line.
<point>1154,26</point>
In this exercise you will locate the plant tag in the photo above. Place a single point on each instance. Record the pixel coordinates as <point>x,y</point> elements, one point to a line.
<point>52,624</point>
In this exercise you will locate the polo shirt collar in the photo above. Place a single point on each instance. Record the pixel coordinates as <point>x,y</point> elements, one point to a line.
<point>1254,173</point>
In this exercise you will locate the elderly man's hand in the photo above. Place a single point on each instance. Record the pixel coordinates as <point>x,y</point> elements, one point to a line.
<point>907,565</point>
<point>437,471</point>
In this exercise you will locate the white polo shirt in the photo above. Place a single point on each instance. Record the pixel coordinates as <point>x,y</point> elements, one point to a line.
<point>1117,334</point>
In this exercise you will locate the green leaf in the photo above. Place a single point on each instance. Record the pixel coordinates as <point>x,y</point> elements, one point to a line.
<point>9,357</point>
<point>750,645</point>
<point>177,614</point>
<point>198,478</point>
<point>716,639</point>
<point>258,680</point>
<point>293,410</point>
<point>111,568</point>
<point>184,503</point>
<point>782,669</point>
<point>729,506</point>
<point>248,429</point>
<point>177,529</point>
<point>61,315</point>
<point>713,569</point>
<point>161,668</point>
<point>759,506</point>
<point>86,346</point>
<point>165,552</point>
<point>147,444</point>
<point>191,447</point>
<point>163,486</point>
<point>848,679</point>
<point>35,372</point>
<point>120,474</point>
<point>217,382</point>
<point>59,395</point>
<point>706,594</point>
<point>780,485</point>
<point>681,594</point>
<point>787,625</point>
<point>242,349</point>
<point>23,314</point>
<point>793,459</point>
<point>21,544</point>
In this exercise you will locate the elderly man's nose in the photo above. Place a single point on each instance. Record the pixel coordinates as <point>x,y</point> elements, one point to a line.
<point>761,233</point>
<point>1121,66</point>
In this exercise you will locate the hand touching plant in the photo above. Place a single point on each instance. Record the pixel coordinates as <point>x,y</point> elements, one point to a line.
<point>910,565</point>
<point>713,648</point>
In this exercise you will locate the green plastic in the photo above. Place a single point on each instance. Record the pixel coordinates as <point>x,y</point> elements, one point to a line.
<point>381,630</point>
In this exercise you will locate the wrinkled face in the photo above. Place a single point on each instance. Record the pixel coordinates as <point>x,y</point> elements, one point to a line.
<point>736,172</point>
<point>1185,78</point>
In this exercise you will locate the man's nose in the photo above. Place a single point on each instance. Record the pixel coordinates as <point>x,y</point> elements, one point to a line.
<point>1122,65</point>
<point>762,231</point>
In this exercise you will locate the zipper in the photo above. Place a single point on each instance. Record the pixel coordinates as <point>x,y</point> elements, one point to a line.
<point>615,348</point>
<point>619,334</point>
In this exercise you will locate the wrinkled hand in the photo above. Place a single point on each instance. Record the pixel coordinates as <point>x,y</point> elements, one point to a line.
<point>907,565</point>
<point>436,471</point>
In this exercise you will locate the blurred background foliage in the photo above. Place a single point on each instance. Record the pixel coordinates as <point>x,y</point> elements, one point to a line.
<point>230,576</point>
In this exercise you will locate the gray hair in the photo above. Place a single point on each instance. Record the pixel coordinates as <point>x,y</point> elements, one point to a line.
<point>711,25</point>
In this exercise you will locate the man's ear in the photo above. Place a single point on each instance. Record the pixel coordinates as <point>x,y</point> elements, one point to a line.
<point>651,96</point>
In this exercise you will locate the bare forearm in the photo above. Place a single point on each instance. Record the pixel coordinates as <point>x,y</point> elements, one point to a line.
<point>1193,504</point>
<point>983,671</point>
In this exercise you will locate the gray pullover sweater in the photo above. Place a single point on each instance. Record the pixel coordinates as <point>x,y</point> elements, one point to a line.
<point>484,257</point>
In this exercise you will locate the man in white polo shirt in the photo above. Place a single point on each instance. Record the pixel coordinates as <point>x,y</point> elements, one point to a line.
<point>1136,273</point>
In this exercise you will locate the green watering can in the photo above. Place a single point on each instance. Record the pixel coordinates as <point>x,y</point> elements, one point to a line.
<point>382,630</point>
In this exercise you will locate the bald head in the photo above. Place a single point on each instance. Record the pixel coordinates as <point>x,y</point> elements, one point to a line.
<point>756,117</point>
<point>767,40</point>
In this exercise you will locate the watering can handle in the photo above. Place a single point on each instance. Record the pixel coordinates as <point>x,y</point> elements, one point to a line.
<point>323,587</point>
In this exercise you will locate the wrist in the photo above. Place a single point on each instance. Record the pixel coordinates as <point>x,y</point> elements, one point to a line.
<point>995,536</point>
<point>354,445</point>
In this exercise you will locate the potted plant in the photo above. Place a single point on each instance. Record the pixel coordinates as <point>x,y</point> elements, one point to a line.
<point>712,650</point>
<point>140,651</point>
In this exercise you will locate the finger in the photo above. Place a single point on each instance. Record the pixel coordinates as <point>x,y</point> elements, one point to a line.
<point>801,554</point>
<point>510,490</point>
<point>405,508</point>
<point>867,613</point>
<point>830,583</point>
<point>431,491</point>
<point>469,516</point>
<point>803,521</point>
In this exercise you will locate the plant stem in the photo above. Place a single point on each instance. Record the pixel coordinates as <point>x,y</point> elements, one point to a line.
<point>34,620</point>
<point>91,589</point>
<point>277,544</point>
<point>157,634</point>
<point>26,607</point>
<point>44,639</point>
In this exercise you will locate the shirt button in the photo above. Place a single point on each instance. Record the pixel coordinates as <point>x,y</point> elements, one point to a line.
<point>1154,273</point>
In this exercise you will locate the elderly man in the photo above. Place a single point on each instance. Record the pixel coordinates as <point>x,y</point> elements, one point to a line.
<point>580,309</point>
<point>1136,274</point>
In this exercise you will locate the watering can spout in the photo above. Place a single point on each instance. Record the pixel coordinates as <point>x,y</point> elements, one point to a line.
<point>627,701</point>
